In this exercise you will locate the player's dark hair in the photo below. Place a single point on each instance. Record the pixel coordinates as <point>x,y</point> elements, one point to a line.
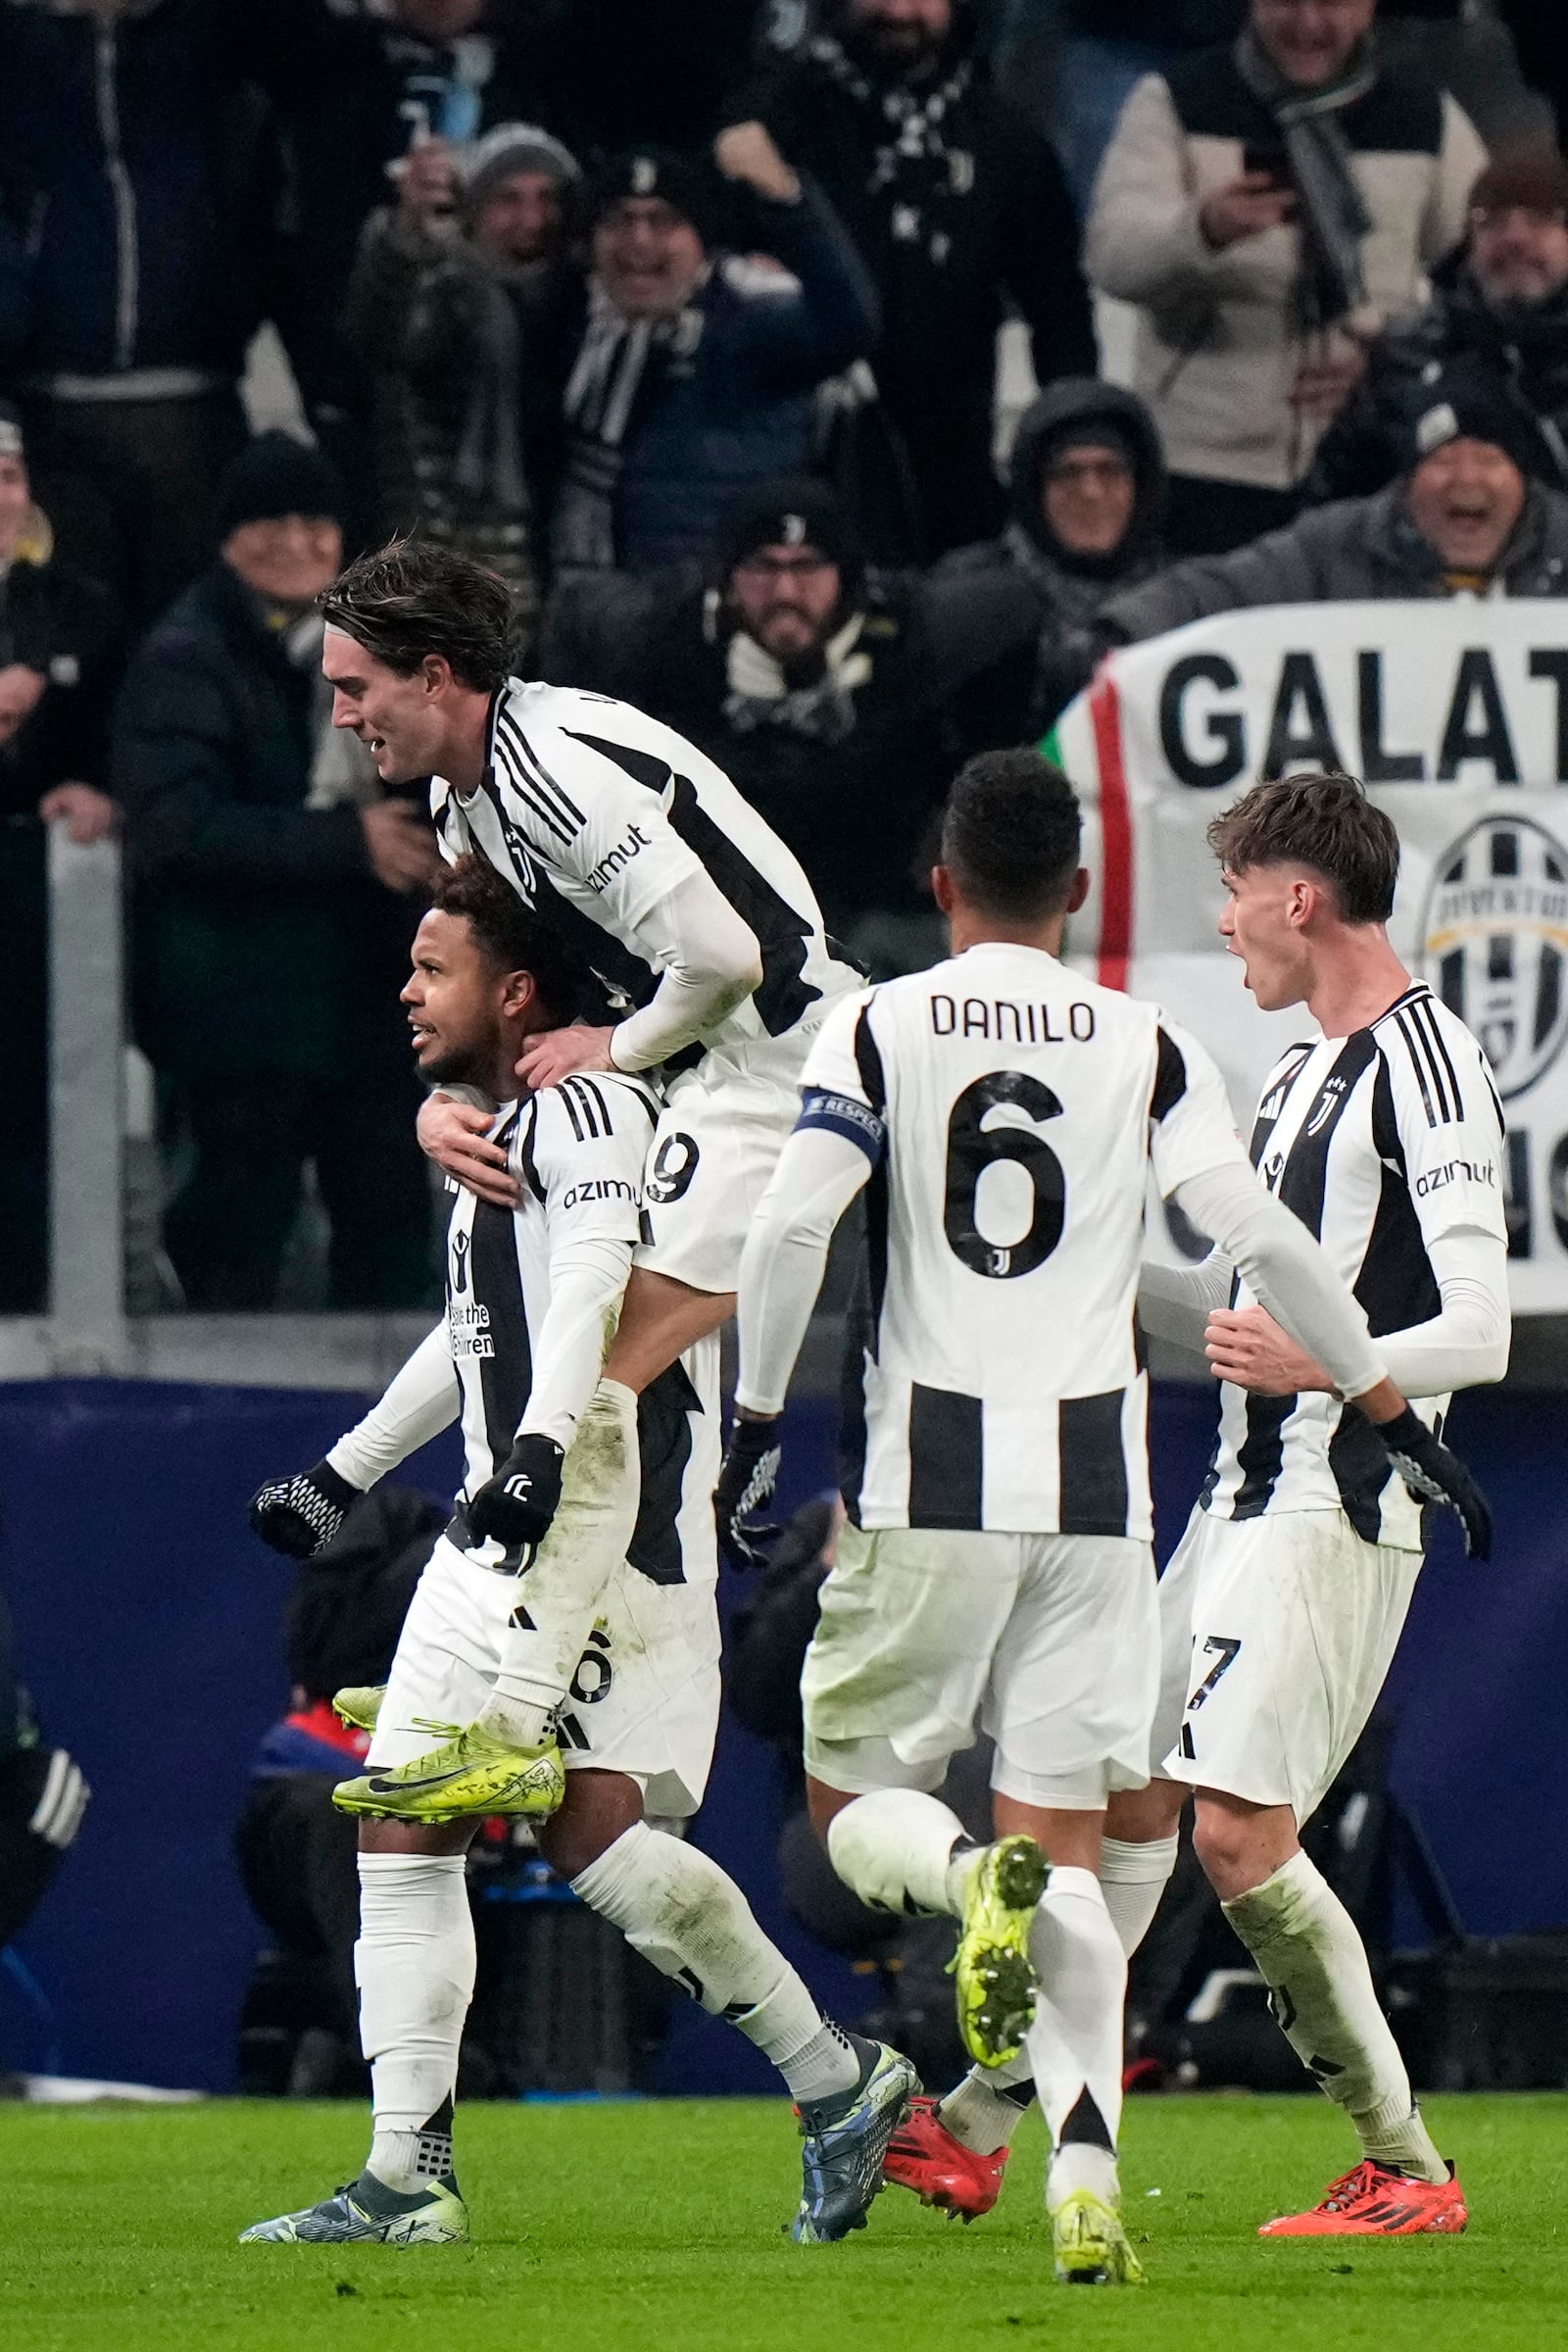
<point>511,935</point>
<point>1326,822</point>
<point>411,598</point>
<point>1010,834</point>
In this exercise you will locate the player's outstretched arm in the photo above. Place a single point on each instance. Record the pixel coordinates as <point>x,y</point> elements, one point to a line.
<point>818,1174</point>
<point>299,1515</point>
<point>1289,1272</point>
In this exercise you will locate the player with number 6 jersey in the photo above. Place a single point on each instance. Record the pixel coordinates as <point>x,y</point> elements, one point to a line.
<point>1001,1116</point>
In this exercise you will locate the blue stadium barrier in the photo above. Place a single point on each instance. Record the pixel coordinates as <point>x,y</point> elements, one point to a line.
<point>147,1623</point>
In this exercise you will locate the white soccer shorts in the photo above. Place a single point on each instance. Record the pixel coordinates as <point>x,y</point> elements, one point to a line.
<point>1054,1640</point>
<point>713,1157</point>
<point>1276,1635</point>
<point>644,1699</point>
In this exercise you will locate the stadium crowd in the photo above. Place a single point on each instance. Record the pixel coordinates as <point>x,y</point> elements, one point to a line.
<point>686,322</point>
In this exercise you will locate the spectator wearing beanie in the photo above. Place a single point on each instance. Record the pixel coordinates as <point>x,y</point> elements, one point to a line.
<point>1470,514</point>
<point>60,651</point>
<point>697,371</point>
<point>958,208</point>
<point>1268,205</point>
<point>808,681</point>
<point>276,894</point>
<point>465,305</point>
<point>1506,309</point>
<point>1088,494</point>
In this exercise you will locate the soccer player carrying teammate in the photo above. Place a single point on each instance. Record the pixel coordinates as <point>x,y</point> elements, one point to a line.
<point>1001,1114</point>
<point>1283,1605</point>
<point>532,1294</point>
<point>683,912</point>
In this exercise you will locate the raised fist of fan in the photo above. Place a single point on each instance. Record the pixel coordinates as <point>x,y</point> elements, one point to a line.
<point>747,1478</point>
<point>1435,1473</point>
<point>298,1516</point>
<point>518,1504</point>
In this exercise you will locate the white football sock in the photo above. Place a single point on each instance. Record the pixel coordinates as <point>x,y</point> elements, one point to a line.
<point>675,1906</point>
<point>1075,2043</point>
<point>894,1848</point>
<point>1314,1964</point>
<point>558,1595</point>
<point>983,2110</point>
<point>1131,1879</point>
<point>414,1964</point>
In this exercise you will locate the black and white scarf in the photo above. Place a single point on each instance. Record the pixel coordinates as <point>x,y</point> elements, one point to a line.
<point>915,166</point>
<point>1333,215</point>
<point>620,356</point>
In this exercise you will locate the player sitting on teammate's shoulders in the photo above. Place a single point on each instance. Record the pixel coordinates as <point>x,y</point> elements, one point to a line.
<point>533,1294</point>
<point>1001,1116</point>
<point>1283,1605</point>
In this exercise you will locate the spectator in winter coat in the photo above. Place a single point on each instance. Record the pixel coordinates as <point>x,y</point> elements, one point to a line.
<point>367,88</point>
<point>1506,309</point>
<point>958,208</point>
<point>465,305</point>
<point>1469,515</point>
<point>133,172</point>
<point>697,371</point>
<point>275,904</point>
<point>809,683</point>
<point>1268,205</point>
<point>59,653</point>
<point>1088,495</point>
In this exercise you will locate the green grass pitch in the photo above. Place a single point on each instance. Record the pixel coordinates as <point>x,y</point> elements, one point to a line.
<point>659,2226</point>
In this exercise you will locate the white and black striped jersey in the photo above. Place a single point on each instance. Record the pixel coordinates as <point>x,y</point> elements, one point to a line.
<point>1381,1143</point>
<point>1011,1111</point>
<point>596,813</point>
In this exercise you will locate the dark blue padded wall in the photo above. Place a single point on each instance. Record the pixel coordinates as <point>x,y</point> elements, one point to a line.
<point>148,1617</point>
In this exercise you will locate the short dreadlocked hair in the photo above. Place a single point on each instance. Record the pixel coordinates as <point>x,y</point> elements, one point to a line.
<point>412,598</point>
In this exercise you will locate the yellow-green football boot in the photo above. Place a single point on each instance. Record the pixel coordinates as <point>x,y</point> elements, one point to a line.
<point>358,1704</point>
<point>474,1772</point>
<point>1090,2244</point>
<point>996,1977</point>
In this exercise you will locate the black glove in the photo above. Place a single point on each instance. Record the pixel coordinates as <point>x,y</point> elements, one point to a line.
<point>518,1504</point>
<point>1436,1474</point>
<point>747,1477</point>
<point>299,1515</point>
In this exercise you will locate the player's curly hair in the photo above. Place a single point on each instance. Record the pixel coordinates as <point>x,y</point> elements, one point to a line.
<point>1010,834</point>
<point>1324,821</point>
<point>411,598</point>
<point>511,935</point>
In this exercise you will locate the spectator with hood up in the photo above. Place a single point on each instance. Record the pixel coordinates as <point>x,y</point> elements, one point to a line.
<point>1506,309</point>
<point>808,680</point>
<point>1268,205</point>
<point>1468,514</point>
<point>958,207</point>
<point>1088,494</point>
<point>275,905</point>
<point>468,337</point>
<point>697,371</point>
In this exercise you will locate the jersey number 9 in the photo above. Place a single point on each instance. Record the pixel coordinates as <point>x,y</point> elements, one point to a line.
<point>972,1148</point>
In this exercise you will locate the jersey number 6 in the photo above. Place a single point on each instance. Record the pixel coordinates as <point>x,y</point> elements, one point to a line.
<point>972,1148</point>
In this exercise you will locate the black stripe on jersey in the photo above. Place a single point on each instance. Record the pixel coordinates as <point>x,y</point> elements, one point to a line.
<point>1299,1185</point>
<point>533,783</point>
<point>525,1143</point>
<point>863,1322</point>
<point>947,1464</point>
<point>577,1097</point>
<point>505,1374</point>
<point>781,932</point>
<point>1442,1108</point>
<point>1170,1079</point>
<point>573,1113</point>
<point>1426,1013</point>
<point>665,1443</point>
<point>1092,1498</point>
<point>1273,1102</point>
<point>591,1086</point>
